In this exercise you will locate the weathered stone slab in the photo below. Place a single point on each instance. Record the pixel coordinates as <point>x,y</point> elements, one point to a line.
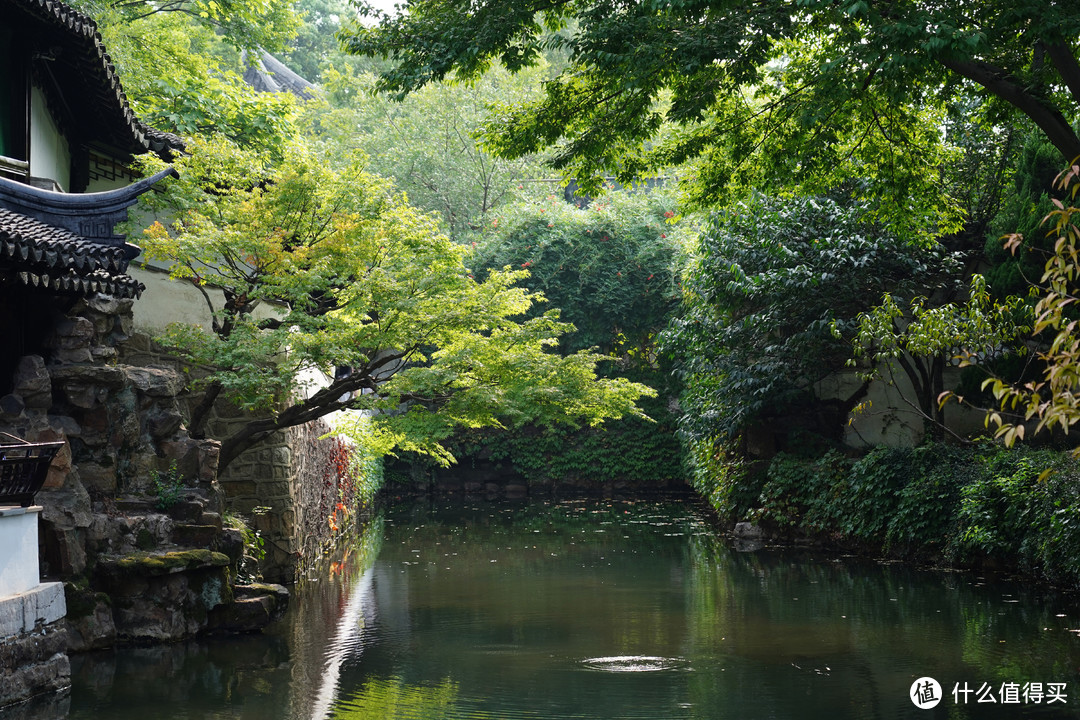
<point>747,531</point>
<point>156,380</point>
<point>162,563</point>
<point>100,375</point>
<point>34,664</point>
<point>32,382</point>
<point>255,607</point>
<point>195,535</point>
<point>162,597</point>
<point>42,605</point>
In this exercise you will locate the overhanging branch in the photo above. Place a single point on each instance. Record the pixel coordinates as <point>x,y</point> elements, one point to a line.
<point>1050,120</point>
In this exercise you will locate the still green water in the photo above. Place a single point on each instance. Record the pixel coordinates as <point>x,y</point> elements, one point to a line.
<point>605,609</point>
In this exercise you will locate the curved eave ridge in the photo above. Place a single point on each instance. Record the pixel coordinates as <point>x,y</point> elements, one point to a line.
<point>122,286</point>
<point>100,203</point>
<point>90,216</point>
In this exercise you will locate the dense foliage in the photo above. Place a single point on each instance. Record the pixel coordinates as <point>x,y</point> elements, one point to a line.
<point>611,268</point>
<point>981,504</point>
<point>305,269</point>
<point>769,279</point>
<point>805,96</point>
<point>182,72</point>
<point>427,144</point>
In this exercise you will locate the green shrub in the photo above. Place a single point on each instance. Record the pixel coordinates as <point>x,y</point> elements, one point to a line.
<point>726,480</point>
<point>1009,514</point>
<point>925,517</point>
<point>968,505</point>
<point>168,487</point>
<point>801,492</point>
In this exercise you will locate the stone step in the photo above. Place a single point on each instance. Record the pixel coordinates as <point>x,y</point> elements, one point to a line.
<point>254,607</point>
<point>201,536</point>
<point>163,596</point>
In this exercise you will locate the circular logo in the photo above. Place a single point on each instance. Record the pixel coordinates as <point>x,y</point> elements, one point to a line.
<point>925,693</point>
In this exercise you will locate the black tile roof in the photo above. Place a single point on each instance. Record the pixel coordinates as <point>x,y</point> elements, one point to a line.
<point>82,70</point>
<point>34,254</point>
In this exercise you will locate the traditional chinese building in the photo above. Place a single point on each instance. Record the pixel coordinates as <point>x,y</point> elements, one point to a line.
<point>67,137</point>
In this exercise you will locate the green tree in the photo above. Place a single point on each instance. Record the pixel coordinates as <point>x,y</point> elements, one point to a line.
<point>770,278</point>
<point>612,268</point>
<point>315,45</point>
<point>805,95</point>
<point>305,268</point>
<point>923,338</point>
<point>241,23</point>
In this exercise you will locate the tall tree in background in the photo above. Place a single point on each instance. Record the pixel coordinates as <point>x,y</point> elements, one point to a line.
<point>772,279</point>
<point>180,61</point>
<point>429,143</point>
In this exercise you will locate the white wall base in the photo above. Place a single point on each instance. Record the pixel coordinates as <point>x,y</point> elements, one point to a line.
<point>23,612</point>
<point>18,549</point>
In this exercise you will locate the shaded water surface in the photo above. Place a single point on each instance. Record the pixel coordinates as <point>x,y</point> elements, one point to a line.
<point>606,609</point>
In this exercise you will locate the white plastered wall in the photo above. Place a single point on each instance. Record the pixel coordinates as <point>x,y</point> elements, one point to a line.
<point>19,540</point>
<point>50,156</point>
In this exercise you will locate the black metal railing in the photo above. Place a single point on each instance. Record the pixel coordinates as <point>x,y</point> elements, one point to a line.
<point>23,468</point>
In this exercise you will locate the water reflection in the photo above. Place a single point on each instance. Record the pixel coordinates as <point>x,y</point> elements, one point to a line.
<point>603,610</point>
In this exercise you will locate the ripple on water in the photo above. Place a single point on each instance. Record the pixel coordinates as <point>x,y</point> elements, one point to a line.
<point>635,663</point>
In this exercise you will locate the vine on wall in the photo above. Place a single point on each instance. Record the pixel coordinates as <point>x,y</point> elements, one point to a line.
<point>335,481</point>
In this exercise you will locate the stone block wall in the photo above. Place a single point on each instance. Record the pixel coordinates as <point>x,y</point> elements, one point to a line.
<point>120,424</point>
<point>131,572</point>
<point>291,486</point>
<point>287,487</point>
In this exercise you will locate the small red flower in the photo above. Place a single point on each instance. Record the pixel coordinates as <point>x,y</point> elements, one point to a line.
<point>526,264</point>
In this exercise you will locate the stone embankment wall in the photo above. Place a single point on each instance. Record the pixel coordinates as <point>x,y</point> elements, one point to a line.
<point>287,487</point>
<point>133,572</point>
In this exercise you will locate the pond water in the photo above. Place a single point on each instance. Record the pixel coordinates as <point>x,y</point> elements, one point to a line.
<point>605,609</point>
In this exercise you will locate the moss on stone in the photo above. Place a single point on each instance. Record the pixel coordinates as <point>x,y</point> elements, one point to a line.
<point>143,563</point>
<point>80,600</point>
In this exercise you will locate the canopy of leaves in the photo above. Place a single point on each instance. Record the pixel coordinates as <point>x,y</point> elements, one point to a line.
<point>1027,203</point>
<point>769,278</point>
<point>243,24</point>
<point>612,267</point>
<point>353,278</point>
<point>803,95</point>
